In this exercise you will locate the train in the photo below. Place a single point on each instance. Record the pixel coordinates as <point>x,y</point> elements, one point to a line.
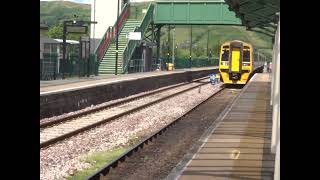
<point>238,61</point>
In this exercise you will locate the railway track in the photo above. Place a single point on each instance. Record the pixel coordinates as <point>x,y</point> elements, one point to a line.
<point>60,129</point>
<point>181,131</point>
<point>46,123</point>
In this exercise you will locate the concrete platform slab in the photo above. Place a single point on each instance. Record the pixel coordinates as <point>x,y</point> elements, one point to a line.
<point>239,146</point>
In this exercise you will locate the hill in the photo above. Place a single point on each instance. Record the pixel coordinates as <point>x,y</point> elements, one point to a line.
<point>218,34</point>
<point>261,39</point>
<point>53,12</point>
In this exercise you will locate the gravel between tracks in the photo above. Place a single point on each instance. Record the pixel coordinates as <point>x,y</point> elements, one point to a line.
<point>64,158</point>
<point>76,123</point>
<point>54,118</point>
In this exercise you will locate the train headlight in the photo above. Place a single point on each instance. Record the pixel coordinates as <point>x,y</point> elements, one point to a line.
<point>225,63</point>
<point>246,64</point>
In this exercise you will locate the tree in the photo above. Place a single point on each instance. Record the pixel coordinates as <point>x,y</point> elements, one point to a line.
<point>56,32</point>
<point>198,51</point>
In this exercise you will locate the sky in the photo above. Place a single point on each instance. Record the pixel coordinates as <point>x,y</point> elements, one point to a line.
<point>77,1</point>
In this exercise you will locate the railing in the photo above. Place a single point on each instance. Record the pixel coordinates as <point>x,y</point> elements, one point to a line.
<point>104,43</point>
<point>134,43</point>
<point>50,66</point>
<point>181,63</point>
<point>111,33</point>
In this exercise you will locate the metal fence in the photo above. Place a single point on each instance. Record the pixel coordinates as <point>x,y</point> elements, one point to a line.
<point>185,63</point>
<point>180,63</point>
<point>49,66</point>
<point>137,65</point>
<point>52,68</point>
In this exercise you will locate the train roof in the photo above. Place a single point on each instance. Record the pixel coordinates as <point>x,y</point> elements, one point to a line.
<point>245,43</point>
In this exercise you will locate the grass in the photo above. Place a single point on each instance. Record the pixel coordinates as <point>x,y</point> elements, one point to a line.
<point>99,159</point>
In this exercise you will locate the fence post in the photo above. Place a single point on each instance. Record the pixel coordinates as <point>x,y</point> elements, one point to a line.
<point>88,61</point>
<point>95,64</point>
<point>54,68</point>
<point>78,64</point>
<point>41,66</point>
<point>89,65</point>
<point>69,63</point>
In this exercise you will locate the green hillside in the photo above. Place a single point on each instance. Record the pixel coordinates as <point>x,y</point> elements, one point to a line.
<point>259,38</point>
<point>217,35</point>
<point>54,12</point>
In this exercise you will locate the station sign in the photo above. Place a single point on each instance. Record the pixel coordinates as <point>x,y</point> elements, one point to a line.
<point>134,35</point>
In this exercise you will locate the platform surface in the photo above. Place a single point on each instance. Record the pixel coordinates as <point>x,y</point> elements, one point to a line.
<point>239,146</point>
<point>69,83</point>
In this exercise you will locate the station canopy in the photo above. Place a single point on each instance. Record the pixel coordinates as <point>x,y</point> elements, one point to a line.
<point>256,13</point>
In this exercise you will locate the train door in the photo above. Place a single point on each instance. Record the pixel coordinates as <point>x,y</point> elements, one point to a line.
<point>235,66</point>
<point>235,60</point>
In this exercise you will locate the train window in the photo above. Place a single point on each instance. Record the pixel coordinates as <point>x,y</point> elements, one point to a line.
<point>225,55</point>
<point>246,56</point>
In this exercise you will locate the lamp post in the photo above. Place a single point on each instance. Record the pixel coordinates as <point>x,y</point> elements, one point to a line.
<point>117,29</point>
<point>190,45</point>
<point>74,23</point>
<point>173,46</point>
<point>64,48</point>
<point>94,26</point>
<point>208,44</point>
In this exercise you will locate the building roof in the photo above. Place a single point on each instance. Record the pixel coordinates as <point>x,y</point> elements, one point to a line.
<point>68,41</point>
<point>47,40</point>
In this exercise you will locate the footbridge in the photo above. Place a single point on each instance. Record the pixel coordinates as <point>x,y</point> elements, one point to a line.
<point>115,49</point>
<point>156,15</point>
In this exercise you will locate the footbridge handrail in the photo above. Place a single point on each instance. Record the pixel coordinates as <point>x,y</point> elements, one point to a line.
<point>111,33</point>
<point>132,44</point>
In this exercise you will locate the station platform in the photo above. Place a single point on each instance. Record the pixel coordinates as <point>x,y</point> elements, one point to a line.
<point>69,95</point>
<point>238,144</point>
<point>83,82</point>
